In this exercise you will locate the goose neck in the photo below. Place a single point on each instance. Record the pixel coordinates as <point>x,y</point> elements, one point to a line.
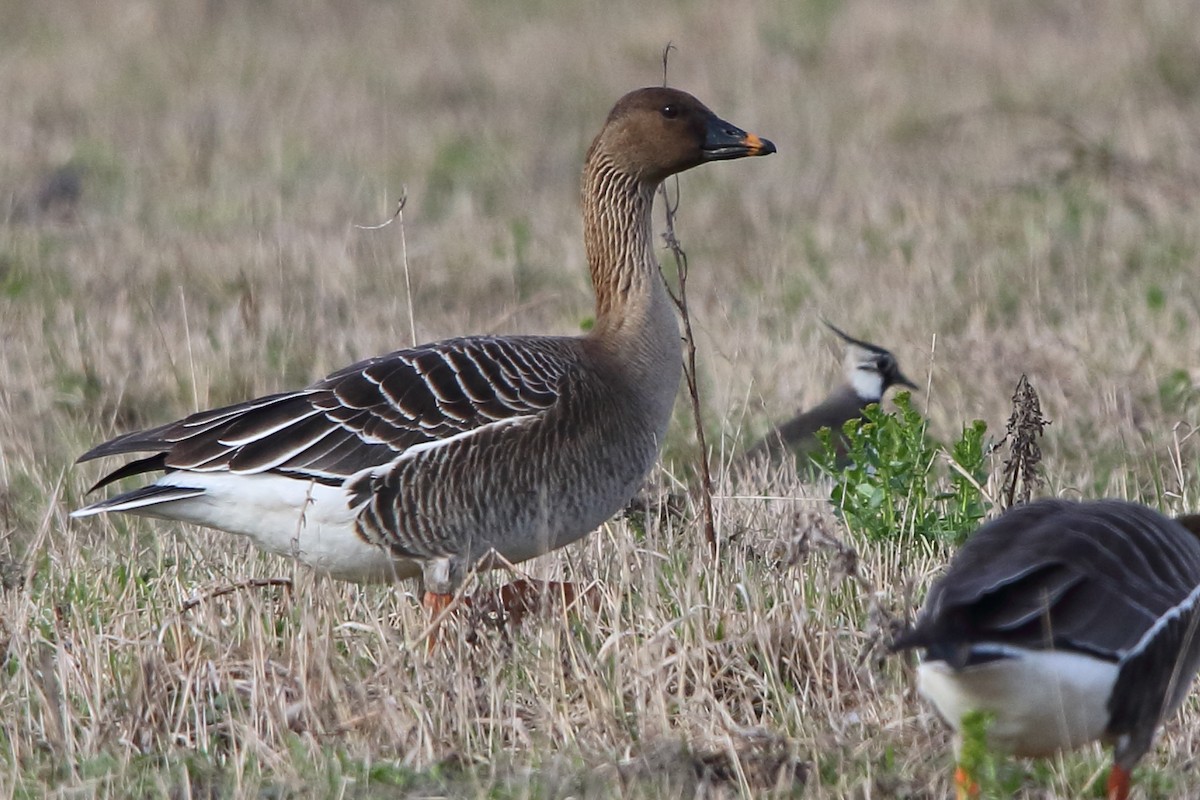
<point>617,238</point>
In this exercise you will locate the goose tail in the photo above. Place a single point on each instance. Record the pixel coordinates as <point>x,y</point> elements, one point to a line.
<point>146,496</point>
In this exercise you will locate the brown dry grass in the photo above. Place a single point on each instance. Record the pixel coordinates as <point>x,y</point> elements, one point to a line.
<point>985,188</point>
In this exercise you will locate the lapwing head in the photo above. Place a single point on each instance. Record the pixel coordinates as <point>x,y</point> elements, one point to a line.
<point>870,369</point>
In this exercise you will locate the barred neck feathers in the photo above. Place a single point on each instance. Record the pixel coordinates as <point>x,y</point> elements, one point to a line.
<point>617,239</point>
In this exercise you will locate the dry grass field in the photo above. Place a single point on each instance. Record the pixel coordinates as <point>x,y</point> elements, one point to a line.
<point>986,188</point>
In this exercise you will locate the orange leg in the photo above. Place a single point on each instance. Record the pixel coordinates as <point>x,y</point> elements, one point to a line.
<point>965,786</point>
<point>436,605</point>
<point>1118,784</point>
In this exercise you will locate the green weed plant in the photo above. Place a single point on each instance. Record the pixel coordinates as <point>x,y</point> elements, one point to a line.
<point>891,478</point>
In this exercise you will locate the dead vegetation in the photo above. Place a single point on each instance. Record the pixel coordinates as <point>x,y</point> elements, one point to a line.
<point>1026,426</point>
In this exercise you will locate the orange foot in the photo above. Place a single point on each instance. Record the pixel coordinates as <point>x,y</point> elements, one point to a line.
<point>1118,784</point>
<point>965,786</point>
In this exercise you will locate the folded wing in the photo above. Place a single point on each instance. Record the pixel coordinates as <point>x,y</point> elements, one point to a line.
<point>362,416</point>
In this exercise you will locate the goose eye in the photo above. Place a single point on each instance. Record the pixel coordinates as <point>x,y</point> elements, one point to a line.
<point>886,364</point>
<point>670,111</point>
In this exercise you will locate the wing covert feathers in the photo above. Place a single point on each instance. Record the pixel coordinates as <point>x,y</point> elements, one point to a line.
<point>362,416</point>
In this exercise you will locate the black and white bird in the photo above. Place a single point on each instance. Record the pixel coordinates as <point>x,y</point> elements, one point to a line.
<point>868,372</point>
<point>423,461</point>
<point>1067,622</point>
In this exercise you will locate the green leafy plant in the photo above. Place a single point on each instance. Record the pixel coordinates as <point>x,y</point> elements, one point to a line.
<point>988,775</point>
<point>890,477</point>
<point>977,766</point>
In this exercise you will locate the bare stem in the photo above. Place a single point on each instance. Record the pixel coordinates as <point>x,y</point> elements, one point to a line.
<point>248,583</point>
<point>399,215</point>
<point>671,205</point>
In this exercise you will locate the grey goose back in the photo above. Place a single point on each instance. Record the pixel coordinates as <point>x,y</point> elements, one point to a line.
<point>1068,622</point>
<point>868,372</point>
<point>422,461</point>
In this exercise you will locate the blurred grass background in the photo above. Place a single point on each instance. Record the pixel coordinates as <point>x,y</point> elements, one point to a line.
<point>985,188</point>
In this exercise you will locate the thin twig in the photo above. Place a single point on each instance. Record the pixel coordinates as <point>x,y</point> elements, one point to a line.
<point>689,364</point>
<point>399,215</point>
<point>689,361</point>
<point>187,336</point>
<point>399,208</point>
<point>221,591</point>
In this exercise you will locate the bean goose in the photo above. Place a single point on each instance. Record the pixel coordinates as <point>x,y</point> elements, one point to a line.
<point>423,461</point>
<point>1068,622</point>
<point>869,371</point>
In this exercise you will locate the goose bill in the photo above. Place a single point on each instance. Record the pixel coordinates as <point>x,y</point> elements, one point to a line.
<point>723,141</point>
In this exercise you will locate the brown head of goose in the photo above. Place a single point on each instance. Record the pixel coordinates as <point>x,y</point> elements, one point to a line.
<point>868,372</point>
<point>424,460</point>
<point>1068,622</point>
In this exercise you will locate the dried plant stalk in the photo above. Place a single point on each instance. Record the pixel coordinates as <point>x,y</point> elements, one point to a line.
<point>689,366</point>
<point>1025,427</point>
<point>689,342</point>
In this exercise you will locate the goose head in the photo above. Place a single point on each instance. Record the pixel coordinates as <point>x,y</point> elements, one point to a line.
<point>656,132</point>
<point>870,369</point>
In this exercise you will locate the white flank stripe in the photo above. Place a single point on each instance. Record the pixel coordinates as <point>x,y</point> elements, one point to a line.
<point>291,517</point>
<point>1175,611</point>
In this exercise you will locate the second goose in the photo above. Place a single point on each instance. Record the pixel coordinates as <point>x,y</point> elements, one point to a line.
<point>1067,622</point>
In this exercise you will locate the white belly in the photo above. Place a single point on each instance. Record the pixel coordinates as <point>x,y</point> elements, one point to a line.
<point>305,520</point>
<point>1041,701</point>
